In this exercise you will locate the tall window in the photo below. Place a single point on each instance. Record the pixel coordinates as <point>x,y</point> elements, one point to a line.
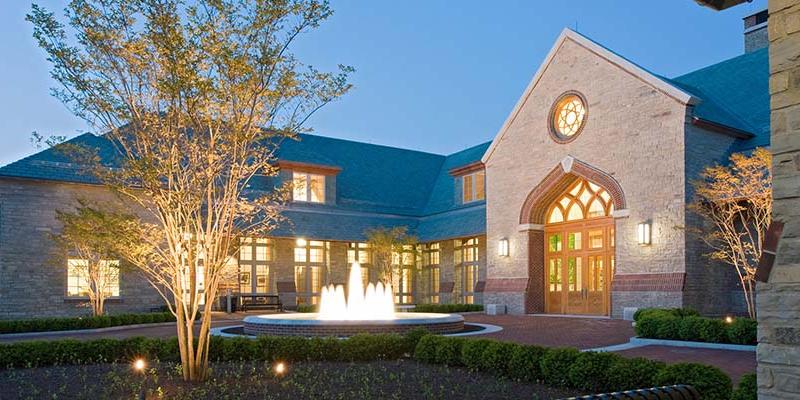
<point>431,271</point>
<point>473,186</point>
<point>255,254</point>
<point>404,264</point>
<point>310,262</point>
<point>467,258</point>
<point>308,187</point>
<point>359,252</point>
<point>79,283</point>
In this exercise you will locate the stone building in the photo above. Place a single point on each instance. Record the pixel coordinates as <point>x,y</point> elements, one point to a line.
<point>578,205</point>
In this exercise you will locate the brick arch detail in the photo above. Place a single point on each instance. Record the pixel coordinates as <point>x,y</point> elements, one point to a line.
<point>534,209</point>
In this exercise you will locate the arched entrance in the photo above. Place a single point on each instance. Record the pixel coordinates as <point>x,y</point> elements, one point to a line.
<point>579,251</point>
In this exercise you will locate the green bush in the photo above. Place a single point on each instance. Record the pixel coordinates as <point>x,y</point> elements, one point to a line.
<point>710,382</point>
<point>555,364</point>
<point>75,323</point>
<point>472,353</point>
<point>633,373</point>
<point>449,351</point>
<point>495,358</point>
<point>306,308</point>
<point>683,324</point>
<point>426,349</point>
<point>447,308</point>
<point>748,388</point>
<point>524,363</point>
<point>590,371</point>
<point>742,331</point>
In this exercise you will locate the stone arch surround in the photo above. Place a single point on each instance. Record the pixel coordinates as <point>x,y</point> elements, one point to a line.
<point>534,211</point>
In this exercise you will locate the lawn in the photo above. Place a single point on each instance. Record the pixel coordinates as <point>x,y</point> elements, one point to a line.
<point>398,379</point>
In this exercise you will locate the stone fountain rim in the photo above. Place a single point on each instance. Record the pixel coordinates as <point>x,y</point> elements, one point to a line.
<point>308,319</point>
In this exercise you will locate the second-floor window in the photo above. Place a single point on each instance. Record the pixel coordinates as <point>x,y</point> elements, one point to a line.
<point>473,186</point>
<point>308,187</point>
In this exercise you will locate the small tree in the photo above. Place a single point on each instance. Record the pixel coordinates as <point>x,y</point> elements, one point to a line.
<point>95,237</point>
<point>195,97</point>
<point>388,246</point>
<point>736,199</point>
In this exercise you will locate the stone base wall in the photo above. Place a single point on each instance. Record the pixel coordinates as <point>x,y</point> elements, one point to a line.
<point>330,330</point>
<point>650,299</point>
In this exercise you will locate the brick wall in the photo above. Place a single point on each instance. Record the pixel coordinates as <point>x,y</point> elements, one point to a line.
<point>778,301</point>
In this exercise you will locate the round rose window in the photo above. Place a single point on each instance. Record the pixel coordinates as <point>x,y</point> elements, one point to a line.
<point>568,116</point>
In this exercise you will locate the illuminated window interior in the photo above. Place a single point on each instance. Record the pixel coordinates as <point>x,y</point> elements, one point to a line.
<point>255,254</point>
<point>308,187</point>
<point>430,267</point>
<point>467,257</point>
<point>568,115</point>
<point>311,259</point>
<point>79,283</point>
<point>582,200</point>
<point>473,186</point>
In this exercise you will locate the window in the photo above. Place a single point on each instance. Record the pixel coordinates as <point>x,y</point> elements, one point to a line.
<point>473,186</point>
<point>308,187</point>
<point>310,262</point>
<point>467,260</point>
<point>431,271</point>
<point>582,200</point>
<point>255,254</point>
<point>567,117</point>
<point>79,283</point>
<point>360,252</point>
<point>403,282</point>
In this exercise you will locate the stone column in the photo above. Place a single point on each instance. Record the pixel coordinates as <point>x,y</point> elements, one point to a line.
<point>778,300</point>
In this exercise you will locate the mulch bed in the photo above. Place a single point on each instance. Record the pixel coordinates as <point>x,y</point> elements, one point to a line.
<point>404,379</point>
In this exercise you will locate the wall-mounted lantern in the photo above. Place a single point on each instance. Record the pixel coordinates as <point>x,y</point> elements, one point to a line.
<point>502,247</point>
<point>643,233</point>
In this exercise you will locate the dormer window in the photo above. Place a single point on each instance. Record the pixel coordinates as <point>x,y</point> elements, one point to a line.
<point>473,186</point>
<point>308,187</point>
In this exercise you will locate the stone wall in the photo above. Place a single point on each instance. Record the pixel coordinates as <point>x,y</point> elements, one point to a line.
<point>778,300</point>
<point>32,274</point>
<point>634,133</point>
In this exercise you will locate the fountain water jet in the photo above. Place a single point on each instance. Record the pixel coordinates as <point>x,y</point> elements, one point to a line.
<point>369,310</point>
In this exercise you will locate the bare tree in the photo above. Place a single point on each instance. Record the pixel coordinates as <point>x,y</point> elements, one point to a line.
<point>195,98</point>
<point>736,199</point>
<point>95,240</point>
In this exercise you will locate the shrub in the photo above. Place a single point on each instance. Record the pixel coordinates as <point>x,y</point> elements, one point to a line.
<point>710,382</point>
<point>647,326</point>
<point>472,353</point>
<point>426,348</point>
<point>524,363</point>
<point>555,365</point>
<point>447,308</point>
<point>590,371</point>
<point>712,330</point>
<point>689,328</point>
<point>667,327</point>
<point>664,312</point>
<point>748,388</point>
<point>74,323</point>
<point>496,356</point>
<point>448,351</point>
<point>742,331</point>
<point>372,347</point>
<point>633,373</point>
<point>306,308</point>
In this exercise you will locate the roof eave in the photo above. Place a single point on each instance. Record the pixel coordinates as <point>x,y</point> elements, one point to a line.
<point>721,128</point>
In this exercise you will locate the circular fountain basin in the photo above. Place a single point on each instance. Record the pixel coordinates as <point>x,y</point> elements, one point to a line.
<point>307,324</point>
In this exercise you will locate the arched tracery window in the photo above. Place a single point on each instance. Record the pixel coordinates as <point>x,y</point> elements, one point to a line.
<point>582,200</point>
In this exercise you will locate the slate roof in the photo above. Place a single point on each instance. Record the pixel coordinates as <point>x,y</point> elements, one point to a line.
<point>387,186</point>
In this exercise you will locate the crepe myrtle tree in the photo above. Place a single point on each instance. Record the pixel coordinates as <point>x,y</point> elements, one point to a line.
<point>195,98</point>
<point>97,238</point>
<point>735,200</point>
<point>389,246</point>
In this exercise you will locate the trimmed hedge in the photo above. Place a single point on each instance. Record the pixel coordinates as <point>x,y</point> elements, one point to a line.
<point>747,390</point>
<point>447,308</point>
<point>683,324</point>
<point>75,323</point>
<point>588,371</point>
<point>306,308</point>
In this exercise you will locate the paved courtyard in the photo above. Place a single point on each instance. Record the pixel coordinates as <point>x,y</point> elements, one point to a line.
<point>583,333</point>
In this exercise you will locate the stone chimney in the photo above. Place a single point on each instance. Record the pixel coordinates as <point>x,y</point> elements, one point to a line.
<point>755,31</point>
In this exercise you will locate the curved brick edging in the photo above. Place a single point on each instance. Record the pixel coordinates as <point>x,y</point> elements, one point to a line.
<point>309,327</point>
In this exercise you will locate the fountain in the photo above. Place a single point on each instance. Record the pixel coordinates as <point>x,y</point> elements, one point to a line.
<point>369,310</point>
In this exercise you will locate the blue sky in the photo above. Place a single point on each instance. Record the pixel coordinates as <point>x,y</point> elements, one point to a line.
<point>432,75</point>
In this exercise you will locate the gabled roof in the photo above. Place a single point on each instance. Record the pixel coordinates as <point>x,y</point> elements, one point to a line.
<point>567,34</point>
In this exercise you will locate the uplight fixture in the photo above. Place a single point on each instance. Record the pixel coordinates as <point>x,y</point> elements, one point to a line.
<point>643,233</point>
<point>279,368</point>
<point>502,247</point>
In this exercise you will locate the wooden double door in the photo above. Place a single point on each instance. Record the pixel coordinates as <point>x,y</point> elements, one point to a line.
<point>579,265</point>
